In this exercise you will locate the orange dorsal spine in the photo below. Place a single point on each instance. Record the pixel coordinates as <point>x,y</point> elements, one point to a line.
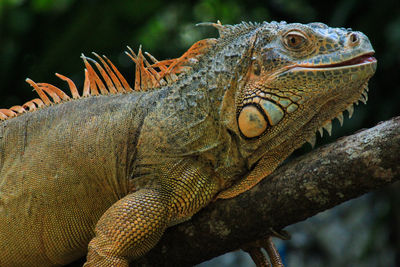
<point>106,79</point>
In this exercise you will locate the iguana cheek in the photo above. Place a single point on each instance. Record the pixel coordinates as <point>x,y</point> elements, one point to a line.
<point>251,122</point>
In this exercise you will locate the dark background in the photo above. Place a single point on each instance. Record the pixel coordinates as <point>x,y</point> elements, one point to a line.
<point>41,37</point>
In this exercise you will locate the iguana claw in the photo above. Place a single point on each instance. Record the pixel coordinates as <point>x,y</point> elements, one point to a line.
<point>254,250</point>
<point>281,234</point>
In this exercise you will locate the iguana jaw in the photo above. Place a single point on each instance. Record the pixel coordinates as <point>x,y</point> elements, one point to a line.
<point>323,120</point>
<point>361,68</point>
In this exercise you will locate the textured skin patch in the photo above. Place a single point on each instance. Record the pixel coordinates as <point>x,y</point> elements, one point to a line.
<point>273,111</point>
<point>285,102</point>
<point>251,122</point>
<point>292,108</point>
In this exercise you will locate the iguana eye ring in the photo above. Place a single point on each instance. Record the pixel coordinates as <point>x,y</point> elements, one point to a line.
<point>294,40</point>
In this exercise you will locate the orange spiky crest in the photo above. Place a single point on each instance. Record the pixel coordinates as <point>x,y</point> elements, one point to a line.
<point>108,80</point>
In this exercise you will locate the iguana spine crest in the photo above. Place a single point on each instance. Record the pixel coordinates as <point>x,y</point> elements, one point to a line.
<point>111,81</point>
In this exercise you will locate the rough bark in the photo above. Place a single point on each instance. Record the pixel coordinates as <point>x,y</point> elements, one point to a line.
<point>319,180</point>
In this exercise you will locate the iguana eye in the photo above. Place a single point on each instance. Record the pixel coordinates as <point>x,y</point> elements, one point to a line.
<point>294,40</point>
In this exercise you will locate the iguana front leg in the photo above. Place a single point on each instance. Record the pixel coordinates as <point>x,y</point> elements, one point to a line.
<point>129,229</point>
<point>134,224</point>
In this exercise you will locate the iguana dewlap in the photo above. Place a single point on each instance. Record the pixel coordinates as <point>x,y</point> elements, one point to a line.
<point>106,171</point>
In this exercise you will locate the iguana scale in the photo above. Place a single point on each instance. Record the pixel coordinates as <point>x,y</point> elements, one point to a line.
<point>105,172</point>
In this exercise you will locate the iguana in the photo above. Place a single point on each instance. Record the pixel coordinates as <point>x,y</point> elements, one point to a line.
<point>105,172</point>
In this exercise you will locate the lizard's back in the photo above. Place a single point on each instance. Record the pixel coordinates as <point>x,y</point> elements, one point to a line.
<point>61,172</point>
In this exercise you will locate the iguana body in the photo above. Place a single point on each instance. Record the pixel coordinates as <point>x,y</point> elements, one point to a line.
<point>116,167</point>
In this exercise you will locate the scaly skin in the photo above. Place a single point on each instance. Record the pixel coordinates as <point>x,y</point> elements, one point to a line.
<point>112,172</point>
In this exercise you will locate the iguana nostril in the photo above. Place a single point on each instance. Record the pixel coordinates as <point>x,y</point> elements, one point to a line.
<point>354,39</point>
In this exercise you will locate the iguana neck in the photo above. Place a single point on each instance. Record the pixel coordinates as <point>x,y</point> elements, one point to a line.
<point>193,119</point>
<point>218,73</point>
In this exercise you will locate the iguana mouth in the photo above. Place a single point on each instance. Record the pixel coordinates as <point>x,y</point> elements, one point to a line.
<point>368,58</point>
<point>359,60</point>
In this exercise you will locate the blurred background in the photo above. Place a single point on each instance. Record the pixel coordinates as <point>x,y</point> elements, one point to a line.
<point>41,37</point>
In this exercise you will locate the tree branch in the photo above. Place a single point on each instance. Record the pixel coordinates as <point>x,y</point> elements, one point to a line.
<point>317,181</point>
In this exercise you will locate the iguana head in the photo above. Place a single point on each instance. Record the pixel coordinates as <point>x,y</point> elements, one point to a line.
<point>297,79</point>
